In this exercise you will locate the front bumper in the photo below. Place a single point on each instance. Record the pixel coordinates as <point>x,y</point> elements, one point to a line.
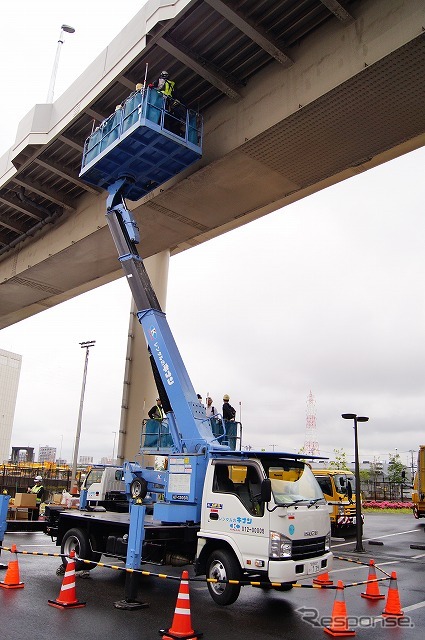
<point>294,570</point>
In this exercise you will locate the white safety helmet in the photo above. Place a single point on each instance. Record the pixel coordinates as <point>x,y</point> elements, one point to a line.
<point>164,74</point>
<point>38,478</point>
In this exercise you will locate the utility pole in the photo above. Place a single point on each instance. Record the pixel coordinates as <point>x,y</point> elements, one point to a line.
<point>412,465</point>
<point>86,346</point>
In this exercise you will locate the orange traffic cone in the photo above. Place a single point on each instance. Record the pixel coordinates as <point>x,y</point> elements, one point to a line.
<point>182,625</point>
<point>339,623</point>
<point>392,605</point>
<point>67,596</point>
<point>323,579</point>
<point>11,579</point>
<point>372,588</point>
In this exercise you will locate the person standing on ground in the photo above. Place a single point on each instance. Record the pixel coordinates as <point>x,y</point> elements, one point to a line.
<point>38,489</point>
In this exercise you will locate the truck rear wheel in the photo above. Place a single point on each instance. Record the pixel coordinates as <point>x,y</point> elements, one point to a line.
<point>78,540</point>
<point>222,565</point>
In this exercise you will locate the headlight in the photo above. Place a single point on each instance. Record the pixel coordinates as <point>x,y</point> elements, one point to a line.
<point>279,545</point>
<point>328,541</point>
<point>340,509</point>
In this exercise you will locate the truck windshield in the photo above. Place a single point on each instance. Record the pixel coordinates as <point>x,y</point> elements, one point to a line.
<point>94,475</point>
<point>293,482</point>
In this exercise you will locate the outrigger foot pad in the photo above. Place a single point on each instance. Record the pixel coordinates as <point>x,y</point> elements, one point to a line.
<point>129,605</point>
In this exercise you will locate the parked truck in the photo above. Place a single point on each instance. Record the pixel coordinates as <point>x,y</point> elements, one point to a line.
<point>193,497</point>
<point>418,492</point>
<point>338,487</point>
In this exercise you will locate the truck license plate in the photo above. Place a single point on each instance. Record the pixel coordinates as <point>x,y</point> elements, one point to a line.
<point>313,567</point>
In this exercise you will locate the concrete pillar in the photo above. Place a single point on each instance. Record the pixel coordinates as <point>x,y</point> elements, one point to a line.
<point>139,390</point>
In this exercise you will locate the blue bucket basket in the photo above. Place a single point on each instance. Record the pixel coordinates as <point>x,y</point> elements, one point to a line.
<point>149,139</point>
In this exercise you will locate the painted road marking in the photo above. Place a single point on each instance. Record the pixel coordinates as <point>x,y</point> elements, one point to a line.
<point>380,564</point>
<point>412,607</point>
<point>388,535</point>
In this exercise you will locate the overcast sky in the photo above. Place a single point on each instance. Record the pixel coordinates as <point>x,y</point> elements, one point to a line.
<point>325,295</point>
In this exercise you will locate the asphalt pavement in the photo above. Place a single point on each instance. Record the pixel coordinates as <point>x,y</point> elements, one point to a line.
<point>302,612</point>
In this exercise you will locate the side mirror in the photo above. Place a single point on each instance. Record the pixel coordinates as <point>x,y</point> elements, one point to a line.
<point>266,490</point>
<point>349,491</point>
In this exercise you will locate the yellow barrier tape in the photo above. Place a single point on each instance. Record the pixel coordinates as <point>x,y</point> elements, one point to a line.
<point>211,580</point>
<point>365,564</point>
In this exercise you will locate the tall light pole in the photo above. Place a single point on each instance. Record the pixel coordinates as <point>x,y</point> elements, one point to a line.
<point>359,524</point>
<point>65,28</point>
<point>113,448</point>
<point>86,346</point>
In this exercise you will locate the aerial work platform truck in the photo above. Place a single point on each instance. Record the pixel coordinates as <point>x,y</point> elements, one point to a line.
<point>194,496</point>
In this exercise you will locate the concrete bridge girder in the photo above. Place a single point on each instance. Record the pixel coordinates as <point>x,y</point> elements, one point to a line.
<point>351,100</point>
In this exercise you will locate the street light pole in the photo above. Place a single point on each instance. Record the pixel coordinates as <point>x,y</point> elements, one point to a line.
<point>113,448</point>
<point>359,524</point>
<point>86,346</point>
<point>65,28</point>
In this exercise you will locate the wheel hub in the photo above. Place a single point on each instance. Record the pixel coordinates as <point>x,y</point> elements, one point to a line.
<point>218,572</point>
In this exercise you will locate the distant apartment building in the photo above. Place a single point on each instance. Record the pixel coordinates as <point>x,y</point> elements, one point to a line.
<point>46,454</point>
<point>85,460</point>
<point>10,369</point>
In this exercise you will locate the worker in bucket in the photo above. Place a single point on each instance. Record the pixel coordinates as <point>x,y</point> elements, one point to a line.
<point>157,412</point>
<point>164,85</point>
<point>38,489</point>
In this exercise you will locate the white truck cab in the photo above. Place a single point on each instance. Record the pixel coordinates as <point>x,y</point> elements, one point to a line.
<point>263,516</point>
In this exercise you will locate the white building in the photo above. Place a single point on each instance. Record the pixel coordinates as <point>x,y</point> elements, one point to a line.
<point>10,369</point>
<point>46,454</point>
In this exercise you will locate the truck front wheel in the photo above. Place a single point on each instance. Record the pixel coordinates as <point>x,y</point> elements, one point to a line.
<point>78,540</point>
<point>222,565</point>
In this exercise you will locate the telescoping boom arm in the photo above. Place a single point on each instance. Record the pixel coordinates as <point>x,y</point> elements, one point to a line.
<point>190,429</point>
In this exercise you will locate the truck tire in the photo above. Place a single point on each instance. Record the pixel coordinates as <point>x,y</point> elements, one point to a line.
<point>78,540</point>
<point>222,565</point>
<point>139,488</point>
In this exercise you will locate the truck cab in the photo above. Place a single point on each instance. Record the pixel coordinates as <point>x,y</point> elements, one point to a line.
<point>264,518</point>
<point>338,486</point>
<point>104,486</point>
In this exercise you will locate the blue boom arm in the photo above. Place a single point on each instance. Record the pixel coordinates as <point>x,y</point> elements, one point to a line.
<point>190,429</point>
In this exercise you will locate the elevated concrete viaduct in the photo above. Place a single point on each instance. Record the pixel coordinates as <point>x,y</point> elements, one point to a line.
<point>295,96</point>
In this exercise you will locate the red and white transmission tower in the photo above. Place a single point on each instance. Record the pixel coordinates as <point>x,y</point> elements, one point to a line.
<point>311,445</point>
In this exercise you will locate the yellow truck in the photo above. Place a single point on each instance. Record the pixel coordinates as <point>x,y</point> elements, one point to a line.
<point>338,486</point>
<point>418,492</point>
